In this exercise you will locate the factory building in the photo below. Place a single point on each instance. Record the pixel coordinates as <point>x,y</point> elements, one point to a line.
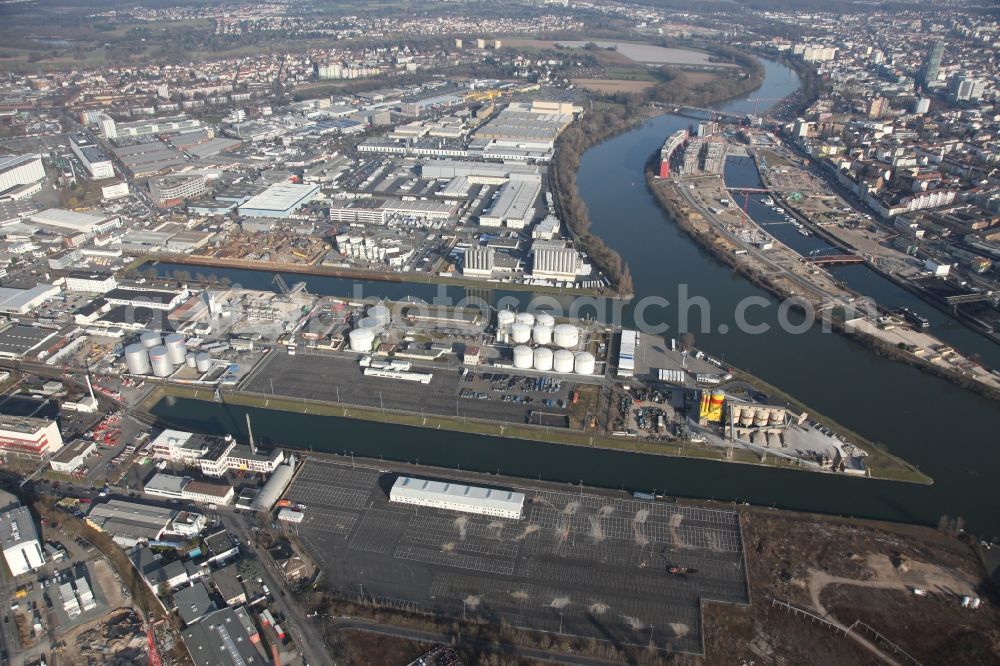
<point>155,299</point>
<point>71,222</point>
<point>226,637</point>
<point>457,497</point>
<point>21,548</point>
<point>97,164</point>
<point>478,173</point>
<point>94,282</point>
<point>22,301</point>
<point>172,189</point>
<point>279,200</point>
<point>552,263</point>
<point>515,204</point>
<point>186,488</point>
<point>17,170</point>
<point>131,523</point>
<point>173,124</point>
<point>29,437</point>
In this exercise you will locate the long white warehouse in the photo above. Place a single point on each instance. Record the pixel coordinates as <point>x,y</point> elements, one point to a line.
<point>457,497</point>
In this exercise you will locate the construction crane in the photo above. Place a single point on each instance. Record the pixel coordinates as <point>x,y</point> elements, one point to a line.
<point>281,284</point>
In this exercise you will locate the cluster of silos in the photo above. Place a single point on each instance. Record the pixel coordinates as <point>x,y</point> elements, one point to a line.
<point>747,416</point>
<point>376,319</point>
<point>160,356</point>
<point>523,329</point>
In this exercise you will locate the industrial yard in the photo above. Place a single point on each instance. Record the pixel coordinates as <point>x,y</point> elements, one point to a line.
<point>624,571</point>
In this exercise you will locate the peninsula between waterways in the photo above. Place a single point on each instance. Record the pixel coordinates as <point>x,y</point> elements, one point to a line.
<point>894,404</point>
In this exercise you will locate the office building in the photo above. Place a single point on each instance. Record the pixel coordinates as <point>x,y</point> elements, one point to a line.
<point>97,164</point>
<point>932,67</point>
<point>29,437</point>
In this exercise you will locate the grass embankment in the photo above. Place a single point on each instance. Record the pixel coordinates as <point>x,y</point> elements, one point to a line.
<point>885,469</point>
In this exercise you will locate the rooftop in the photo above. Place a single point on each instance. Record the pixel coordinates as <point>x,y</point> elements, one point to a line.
<point>17,527</point>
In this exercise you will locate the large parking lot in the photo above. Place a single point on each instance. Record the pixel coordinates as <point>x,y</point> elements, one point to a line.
<point>576,563</point>
<point>339,379</point>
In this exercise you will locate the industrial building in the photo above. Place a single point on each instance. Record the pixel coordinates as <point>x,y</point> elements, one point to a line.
<point>515,204</point>
<point>186,488</point>
<point>97,164</point>
<point>21,548</point>
<point>17,170</point>
<point>22,301</point>
<point>29,437</point>
<point>552,263</point>
<point>72,222</point>
<point>279,200</point>
<point>478,173</point>
<point>275,486</point>
<point>170,125</point>
<point>95,282</point>
<point>457,497</point>
<point>154,299</point>
<point>479,262</point>
<point>72,456</point>
<point>227,637</point>
<point>130,523</point>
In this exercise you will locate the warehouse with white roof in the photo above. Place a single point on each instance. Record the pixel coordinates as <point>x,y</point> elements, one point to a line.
<point>279,200</point>
<point>457,497</point>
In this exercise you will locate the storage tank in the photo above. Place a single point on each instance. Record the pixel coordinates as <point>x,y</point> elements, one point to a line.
<point>361,339</point>
<point>562,361</point>
<point>566,336</point>
<point>520,333</point>
<point>584,363</point>
<point>718,397</point>
<point>545,319</point>
<point>159,359</point>
<point>523,358</point>
<point>760,418</point>
<point>203,362</point>
<point>504,319</point>
<point>369,322</point>
<point>542,334</point>
<point>137,359</point>
<point>150,339</point>
<point>525,318</point>
<point>176,348</point>
<point>543,359</point>
<point>746,416</point>
<point>775,418</point>
<point>381,314</point>
<point>190,361</point>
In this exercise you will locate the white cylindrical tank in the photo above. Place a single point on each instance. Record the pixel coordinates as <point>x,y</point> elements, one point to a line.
<point>562,361</point>
<point>523,358</point>
<point>525,318</point>
<point>566,336</point>
<point>137,359</point>
<point>543,359</point>
<point>545,319</point>
<point>150,339</point>
<point>584,363</point>
<point>381,314</point>
<point>542,334</point>
<point>361,339</point>
<point>504,319</point>
<point>176,348</point>
<point>520,333</point>
<point>369,322</point>
<point>203,362</point>
<point>159,359</point>
<point>190,361</point>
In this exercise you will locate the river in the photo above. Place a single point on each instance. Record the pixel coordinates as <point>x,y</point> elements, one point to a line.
<point>946,431</point>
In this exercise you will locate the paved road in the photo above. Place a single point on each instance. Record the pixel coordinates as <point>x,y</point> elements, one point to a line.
<point>307,635</point>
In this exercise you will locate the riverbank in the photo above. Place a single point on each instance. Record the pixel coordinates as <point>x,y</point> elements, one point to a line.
<point>670,199</point>
<point>141,266</point>
<point>881,464</point>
